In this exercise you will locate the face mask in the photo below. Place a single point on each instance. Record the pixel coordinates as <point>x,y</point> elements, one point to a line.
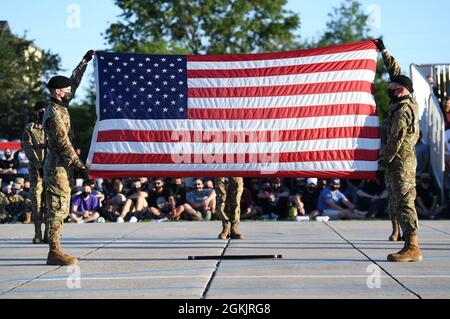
<point>67,98</point>
<point>40,117</point>
<point>334,188</point>
<point>7,155</point>
<point>85,194</point>
<point>391,94</point>
<point>136,189</point>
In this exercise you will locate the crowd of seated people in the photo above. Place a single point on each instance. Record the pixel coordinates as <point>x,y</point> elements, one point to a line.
<point>194,199</point>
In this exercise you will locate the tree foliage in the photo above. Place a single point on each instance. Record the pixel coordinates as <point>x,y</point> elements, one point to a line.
<point>204,26</point>
<point>348,23</point>
<point>24,70</point>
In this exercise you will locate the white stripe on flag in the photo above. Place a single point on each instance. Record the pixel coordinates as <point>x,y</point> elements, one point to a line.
<point>240,125</point>
<point>366,166</point>
<point>320,77</point>
<point>227,65</point>
<point>282,101</point>
<point>187,147</point>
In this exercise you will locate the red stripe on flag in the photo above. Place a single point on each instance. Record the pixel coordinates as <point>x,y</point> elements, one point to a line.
<point>283,90</point>
<point>290,174</point>
<point>313,156</point>
<point>363,45</point>
<point>281,112</point>
<point>284,70</point>
<point>242,137</point>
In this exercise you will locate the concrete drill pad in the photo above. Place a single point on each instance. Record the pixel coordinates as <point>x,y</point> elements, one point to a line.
<point>149,260</point>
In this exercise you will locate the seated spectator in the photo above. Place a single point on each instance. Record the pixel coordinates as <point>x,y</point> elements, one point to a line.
<point>4,202</point>
<point>322,184</point>
<point>334,204</point>
<point>19,206</point>
<point>8,167</point>
<point>115,202</point>
<point>349,188</point>
<point>22,163</point>
<point>305,199</point>
<point>145,185</point>
<point>201,202</point>
<point>179,193</point>
<point>247,206</point>
<point>275,199</point>
<point>255,187</point>
<point>372,197</point>
<point>136,206</point>
<point>428,198</point>
<point>209,184</point>
<point>85,206</point>
<point>162,202</point>
<point>96,191</point>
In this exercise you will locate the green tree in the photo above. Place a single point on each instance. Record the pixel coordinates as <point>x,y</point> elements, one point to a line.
<point>203,26</point>
<point>347,24</point>
<point>24,70</point>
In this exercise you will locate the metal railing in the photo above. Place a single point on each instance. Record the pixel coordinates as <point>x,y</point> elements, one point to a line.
<point>432,123</point>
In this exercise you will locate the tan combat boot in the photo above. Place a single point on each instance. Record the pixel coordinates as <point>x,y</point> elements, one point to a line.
<point>37,232</point>
<point>225,231</point>
<point>409,253</point>
<point>395,236</point>
<point>27,218</point>
<point>57,258</point>
<point>235,233</point>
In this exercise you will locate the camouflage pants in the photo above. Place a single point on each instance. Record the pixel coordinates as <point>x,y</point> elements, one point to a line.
<point>401,186</point>
<point>37,196</point>
<point>228,197</point>
<point>58,201</point>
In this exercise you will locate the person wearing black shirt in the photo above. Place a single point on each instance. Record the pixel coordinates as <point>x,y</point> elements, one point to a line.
<point>179,193</point>
<point>8,167</point>
<point>161,201</point>
<point>306,197</point>
<point>275,200</point>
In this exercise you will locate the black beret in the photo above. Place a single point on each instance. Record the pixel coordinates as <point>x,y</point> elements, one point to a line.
<point>39,105</point>
<point>59,82</point>
<point>403,80</point>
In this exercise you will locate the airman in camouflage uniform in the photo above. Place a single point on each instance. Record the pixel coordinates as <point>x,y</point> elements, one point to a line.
<point>34,145</point>
<point>4,202</point>
<point>61,158</point>
<point>398,157</point>
<point>18,203</point>
<point>228,198</point>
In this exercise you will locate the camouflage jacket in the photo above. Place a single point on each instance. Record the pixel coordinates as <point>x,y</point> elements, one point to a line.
<point>60,151</point>
<point>18,204</point>
<point>402,123</point>
<point>34,145</point>
<point>3,202</point>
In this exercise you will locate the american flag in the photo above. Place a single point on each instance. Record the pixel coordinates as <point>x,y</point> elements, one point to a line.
<point>305,113</point>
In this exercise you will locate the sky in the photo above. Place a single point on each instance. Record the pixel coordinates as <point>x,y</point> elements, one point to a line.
<point>413,31</point>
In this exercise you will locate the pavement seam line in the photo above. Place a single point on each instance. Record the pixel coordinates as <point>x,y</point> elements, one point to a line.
<point>119,238</point>
<point>436,229</point>
<point>213,275</point>
<point>59,267</point>
<point>373,261</point>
